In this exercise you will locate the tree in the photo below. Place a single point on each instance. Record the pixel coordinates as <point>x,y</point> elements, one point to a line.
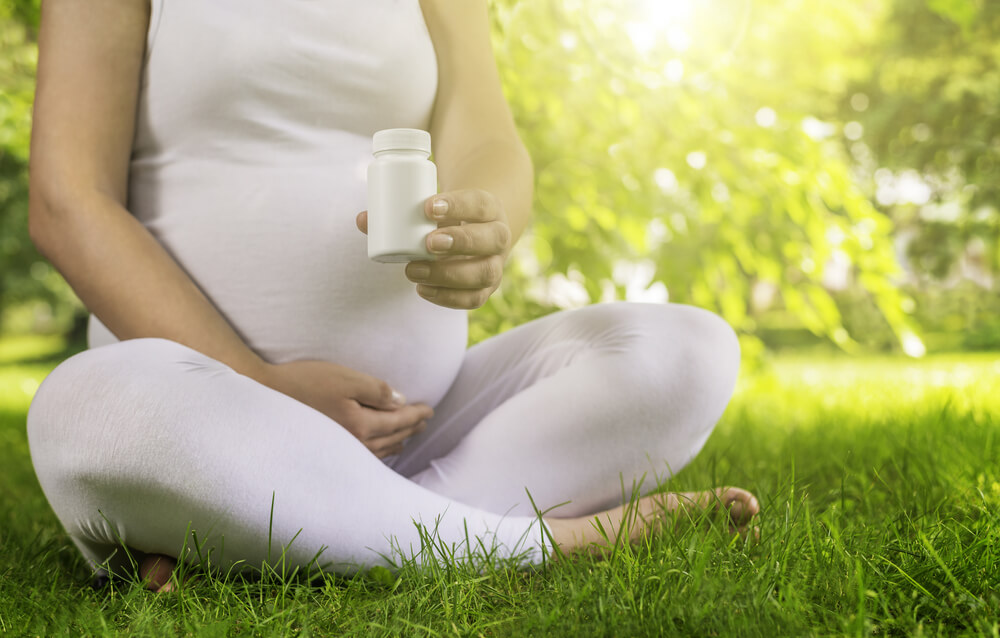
<point>24,274</point>
<point>709,150</point>
<point>707,163</point>
<point>929,110</point>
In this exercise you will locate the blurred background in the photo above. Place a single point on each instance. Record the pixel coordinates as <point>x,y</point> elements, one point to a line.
<point>825,175</point>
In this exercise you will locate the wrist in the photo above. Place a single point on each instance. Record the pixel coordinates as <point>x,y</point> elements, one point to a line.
<point>257,369</point>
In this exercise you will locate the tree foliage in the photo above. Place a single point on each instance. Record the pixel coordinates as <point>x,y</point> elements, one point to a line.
<point>716,172</point>
<point>929,103</point>
<point>706,150</point>
<point>23,273</point>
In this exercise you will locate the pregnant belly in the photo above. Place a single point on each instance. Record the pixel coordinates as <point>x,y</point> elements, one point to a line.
<point>277,251</point>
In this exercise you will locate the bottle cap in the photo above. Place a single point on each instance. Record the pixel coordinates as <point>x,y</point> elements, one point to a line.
<point>401,139</point>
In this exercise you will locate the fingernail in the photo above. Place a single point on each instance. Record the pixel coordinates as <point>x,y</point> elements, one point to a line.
<point>441,242</point>
<point>439,208</point>
<point>428,292</point>
<point>398,399</point>
<point>418,271</point>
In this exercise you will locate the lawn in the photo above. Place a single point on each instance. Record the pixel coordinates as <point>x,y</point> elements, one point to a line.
<point>879,482</point>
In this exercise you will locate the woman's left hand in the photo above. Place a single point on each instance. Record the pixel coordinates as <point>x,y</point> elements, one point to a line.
<point>472,242</point>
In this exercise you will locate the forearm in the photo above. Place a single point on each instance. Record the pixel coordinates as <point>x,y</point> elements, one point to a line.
<point>503,169</point>
<point>130,282</point>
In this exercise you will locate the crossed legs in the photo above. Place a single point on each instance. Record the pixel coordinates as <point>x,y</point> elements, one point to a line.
<point>136,443</point>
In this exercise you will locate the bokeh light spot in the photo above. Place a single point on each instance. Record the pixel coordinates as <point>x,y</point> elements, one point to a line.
<point>697,160</point>
<point>665,179</point>
<point>674,70</point>
<point>766,117</point>
<point>859,102</point>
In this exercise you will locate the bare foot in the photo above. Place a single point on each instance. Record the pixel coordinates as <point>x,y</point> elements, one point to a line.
<point>155,571</point>
<point>650,514</point>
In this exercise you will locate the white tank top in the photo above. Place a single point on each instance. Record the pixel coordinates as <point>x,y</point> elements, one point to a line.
<point>252,142</point>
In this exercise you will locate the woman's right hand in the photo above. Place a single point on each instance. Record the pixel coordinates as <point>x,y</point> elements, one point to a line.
<point>367,407</point>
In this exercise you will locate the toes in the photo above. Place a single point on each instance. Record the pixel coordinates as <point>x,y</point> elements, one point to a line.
<point>745,532</point>
<point>741,504</point>
<point>155,570</point>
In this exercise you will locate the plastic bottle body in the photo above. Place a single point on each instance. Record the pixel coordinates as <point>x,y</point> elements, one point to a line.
<point>399,182</point>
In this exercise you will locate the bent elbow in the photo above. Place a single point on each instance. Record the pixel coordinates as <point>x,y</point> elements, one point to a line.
<point>49,203</point>
<point>40,215</point>
<point>37,222</point>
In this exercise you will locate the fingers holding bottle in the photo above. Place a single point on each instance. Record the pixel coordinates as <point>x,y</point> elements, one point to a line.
<point>471,244</point>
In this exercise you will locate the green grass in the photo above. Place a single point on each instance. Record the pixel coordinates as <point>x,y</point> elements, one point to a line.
<point>879,482</point>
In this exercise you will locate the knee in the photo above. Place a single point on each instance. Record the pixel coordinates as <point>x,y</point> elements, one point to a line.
<point>684,354</point>
<point>84,396</point>
<point>93,373</point>
<point>711,348</point>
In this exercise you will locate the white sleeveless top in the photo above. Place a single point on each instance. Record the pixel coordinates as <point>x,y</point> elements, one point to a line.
<point>252,143</point>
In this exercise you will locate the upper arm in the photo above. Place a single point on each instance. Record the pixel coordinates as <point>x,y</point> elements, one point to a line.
<point>89,65</point>
<point>470,108</point>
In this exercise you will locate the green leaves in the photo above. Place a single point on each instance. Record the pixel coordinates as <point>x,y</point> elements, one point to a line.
<point>24,274</point>
<point>723,170</point>
<point>17,75</point>
<point>737,153</point>
<point>961,12</point>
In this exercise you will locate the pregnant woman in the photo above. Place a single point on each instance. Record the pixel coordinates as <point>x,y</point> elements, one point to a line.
<point>254,383</point>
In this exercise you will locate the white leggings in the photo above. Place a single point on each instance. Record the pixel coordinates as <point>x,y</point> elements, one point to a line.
<point>140,443</point>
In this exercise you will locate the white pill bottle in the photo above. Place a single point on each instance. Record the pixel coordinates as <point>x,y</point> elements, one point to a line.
<point>400,179</point>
